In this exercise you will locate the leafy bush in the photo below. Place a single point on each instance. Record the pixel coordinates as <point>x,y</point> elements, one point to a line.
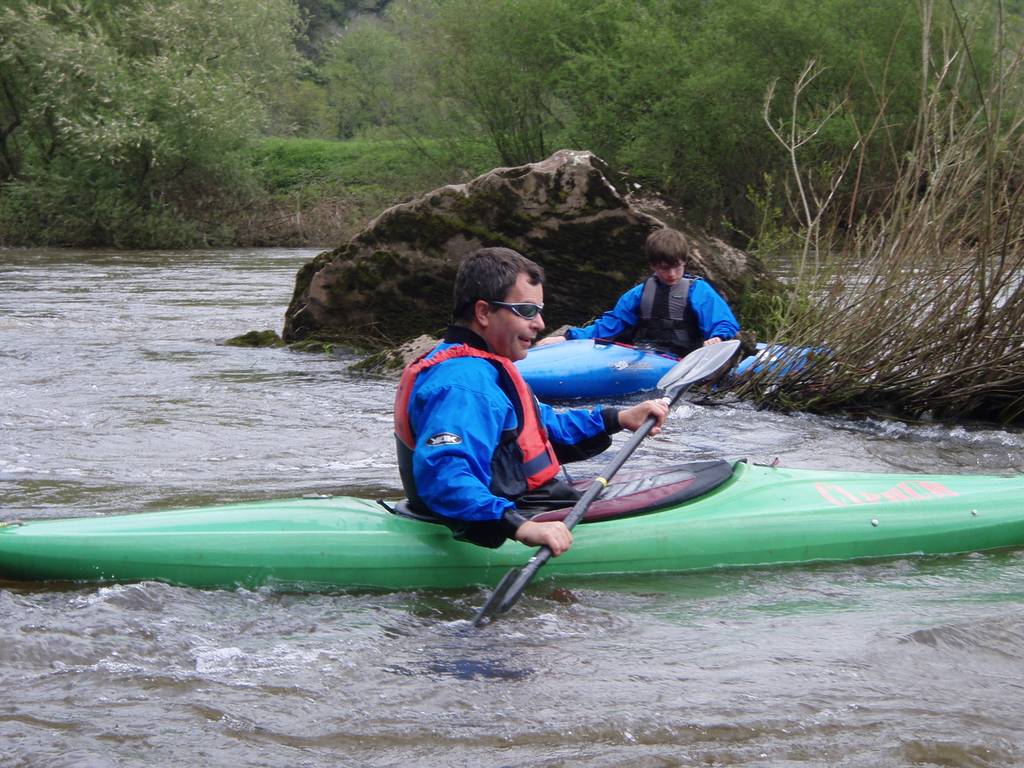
<point>669,92</point>
<point>129,117</point>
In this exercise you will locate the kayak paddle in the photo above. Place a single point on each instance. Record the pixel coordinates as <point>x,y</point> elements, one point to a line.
<point>695,367</point>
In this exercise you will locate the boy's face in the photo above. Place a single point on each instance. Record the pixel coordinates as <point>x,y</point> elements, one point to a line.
<point>669,274</point>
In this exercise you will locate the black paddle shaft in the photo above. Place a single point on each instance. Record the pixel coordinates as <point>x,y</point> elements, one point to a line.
<point>695,367</point>
<point>511,587</point>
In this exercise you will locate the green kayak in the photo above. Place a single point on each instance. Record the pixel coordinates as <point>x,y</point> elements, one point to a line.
<point>712,515</point>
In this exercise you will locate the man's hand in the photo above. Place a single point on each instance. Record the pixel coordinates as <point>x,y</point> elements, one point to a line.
<point>712,340</point>
<point>554,535</point>
<point>633,418</point>
<point>549,340</point>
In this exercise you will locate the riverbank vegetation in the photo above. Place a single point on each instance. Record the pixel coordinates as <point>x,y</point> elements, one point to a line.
<point>916,305</point>
<point>136,124</point>
<point>127,123</point>
<point>322,191</point>
<point>890,165</point>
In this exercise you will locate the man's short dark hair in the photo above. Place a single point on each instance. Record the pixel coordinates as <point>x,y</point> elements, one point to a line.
<point>666,246</point>
<point>490,274</point>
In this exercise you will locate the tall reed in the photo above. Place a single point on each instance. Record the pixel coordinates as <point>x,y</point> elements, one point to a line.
<point>916,308</point>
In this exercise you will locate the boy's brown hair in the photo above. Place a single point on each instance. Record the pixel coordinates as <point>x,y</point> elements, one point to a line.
<point>666,246</point>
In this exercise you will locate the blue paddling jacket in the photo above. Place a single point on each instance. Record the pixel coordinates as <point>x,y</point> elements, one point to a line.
<point>458,445</point>
<point>676,319</point>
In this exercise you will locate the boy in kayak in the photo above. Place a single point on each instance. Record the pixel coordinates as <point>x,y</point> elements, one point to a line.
<point>476,450</point>
<point>670,311</point>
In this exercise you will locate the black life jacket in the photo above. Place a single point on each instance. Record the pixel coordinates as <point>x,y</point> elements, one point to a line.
<point>667,321</point>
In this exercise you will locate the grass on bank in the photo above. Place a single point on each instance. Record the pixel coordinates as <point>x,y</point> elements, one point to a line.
<point>274,192</point>
<point>320,192</point>
<point>285,165</point>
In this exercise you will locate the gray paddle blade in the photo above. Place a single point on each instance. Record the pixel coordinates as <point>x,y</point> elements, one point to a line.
<point>499,602</point>
<point>699,365</point>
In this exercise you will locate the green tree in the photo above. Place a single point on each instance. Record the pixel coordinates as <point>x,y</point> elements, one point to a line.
<point>672,91</point>
<point>326,20</point>
<point>681,86</point>
<point>367,71</point>
<point>489,66</point>
<point>120,120</point>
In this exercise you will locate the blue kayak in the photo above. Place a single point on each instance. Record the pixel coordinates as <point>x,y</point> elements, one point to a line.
<point>594,369</point>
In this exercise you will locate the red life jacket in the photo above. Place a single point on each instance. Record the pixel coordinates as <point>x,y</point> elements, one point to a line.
<point>538,456</point>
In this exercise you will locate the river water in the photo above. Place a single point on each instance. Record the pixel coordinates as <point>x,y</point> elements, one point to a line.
<point>117,395</point>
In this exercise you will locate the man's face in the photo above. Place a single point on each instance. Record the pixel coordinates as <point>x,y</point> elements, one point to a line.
<point>505,332</point>
<point>669,274</point>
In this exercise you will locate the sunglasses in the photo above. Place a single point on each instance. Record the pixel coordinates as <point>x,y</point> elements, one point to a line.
<point>525,310</point>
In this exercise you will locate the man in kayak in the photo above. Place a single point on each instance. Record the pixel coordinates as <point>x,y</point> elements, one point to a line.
<point>476,450</point>
<point>670,311</point>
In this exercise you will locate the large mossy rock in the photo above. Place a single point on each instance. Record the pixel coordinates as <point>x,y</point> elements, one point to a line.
<point>393,281</point>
